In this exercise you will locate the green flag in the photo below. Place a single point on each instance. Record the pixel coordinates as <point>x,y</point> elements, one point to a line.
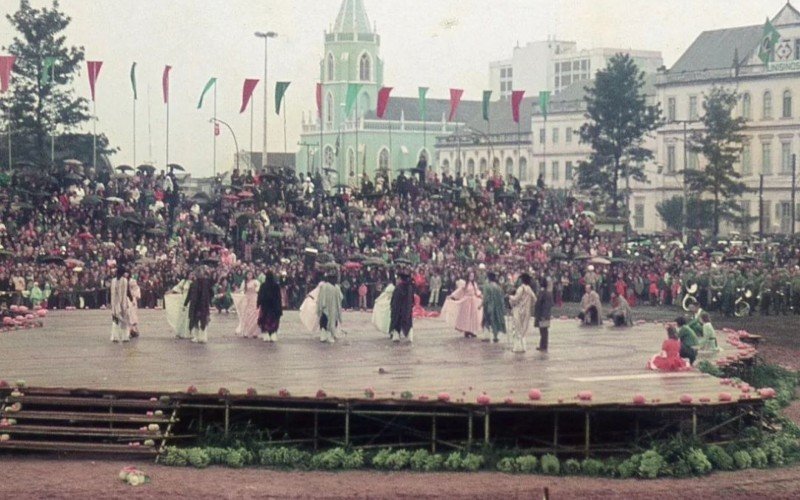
<point>487,95</point>
<point>133,80</point>
<point>352,95</point>
<point>422,108</point>
<point>211,82</point>
<point>769,38</point>
<point>280,90</point>
<point>47,70</point>
<point>544,102</point>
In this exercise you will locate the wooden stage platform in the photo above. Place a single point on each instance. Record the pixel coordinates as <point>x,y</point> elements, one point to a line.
<point>73,352</point>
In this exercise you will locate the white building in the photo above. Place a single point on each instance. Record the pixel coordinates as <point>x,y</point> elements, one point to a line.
<point>555,64</point>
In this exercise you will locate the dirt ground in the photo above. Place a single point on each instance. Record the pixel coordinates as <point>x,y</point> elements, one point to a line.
<point>29,476</point>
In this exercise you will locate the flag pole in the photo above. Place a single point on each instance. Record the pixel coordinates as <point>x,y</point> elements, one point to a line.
<point>285,150</point>
<point>358,151</point>
<point>167,151</point>
<point>134,131</point>
<point>94,134</point>
<point>214,131</point>
<point>8,117</point>
<point>53,131</point>
<point>251,136</point>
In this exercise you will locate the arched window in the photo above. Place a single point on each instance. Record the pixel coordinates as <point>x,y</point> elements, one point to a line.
<point>383,160</point>
<point>496,165</point>
<point>329,68</point>
<point>746,106</point>
<point>351,161</point>
<point>365,68</point>
<point>509,166</point>
<point>423,157</point>
<point>523,169</point>
<point>787,104</point>
<point>767,105</point>
<point>329,110</point>
<point>483,165</point>
<point>328,156</point>
<point>458,166</point>
<point>446,165</point>
<point>470,167</point>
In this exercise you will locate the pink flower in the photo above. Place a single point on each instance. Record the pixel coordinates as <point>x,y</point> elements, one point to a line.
<point>685,399</point>
<point>767,392</point>
<point>251,392</point>
<point>321,394</point>
<point>535,394</point>
<point>639,399</point>
<point>284,393</point>
<point>191,390</point>
<point>222,392</point>
<point>725,396</point>
<point>484,399</point>
<point>509,400</point>
<point>585,395</point>
<point>3,384</point>
<point>444,397</point>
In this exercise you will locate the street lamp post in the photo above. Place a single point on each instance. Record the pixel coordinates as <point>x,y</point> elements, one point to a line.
<point>266,36</point>
<point>235,142</point>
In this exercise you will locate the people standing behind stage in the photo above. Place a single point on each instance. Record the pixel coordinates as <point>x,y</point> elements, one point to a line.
<point>198,301</point>
<point>542,313</point>
<point>591,308</point>
<point>269,308</point>
<point>521,307</point>
<point>462,309</point>
<point>708,341</point>
<point>494,309</point>
<point>688,340</point>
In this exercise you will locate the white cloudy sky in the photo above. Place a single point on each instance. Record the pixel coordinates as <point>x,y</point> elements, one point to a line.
<point>208,38</point>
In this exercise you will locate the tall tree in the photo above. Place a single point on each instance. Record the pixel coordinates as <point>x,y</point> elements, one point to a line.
<point>43,100</point>
<point>671,212</point>
<point>619,119</point>
<point>720,142</point>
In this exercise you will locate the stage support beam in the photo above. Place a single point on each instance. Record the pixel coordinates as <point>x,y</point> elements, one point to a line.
<point>227,417</point>
<point>347,425</point>
<point>486,426</point>
<point>555,432</point>
<point>587,433</point>
<point>469,429</point>
<point>694,423</point>
<point>433,433</point>
<point>316,430</point>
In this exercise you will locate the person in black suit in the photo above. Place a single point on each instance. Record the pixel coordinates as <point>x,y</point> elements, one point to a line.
<point>270,308</point>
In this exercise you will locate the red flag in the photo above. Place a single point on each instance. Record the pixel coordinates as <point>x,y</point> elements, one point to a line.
<point>516,100</point>
<point>165,83</point>
<point>383,100</point>
<point>247,92</point>
<point>319,100</point>
<point>6,65</point>
<point>94,71</point>
<point>216,128</point>
<point>455,98</point>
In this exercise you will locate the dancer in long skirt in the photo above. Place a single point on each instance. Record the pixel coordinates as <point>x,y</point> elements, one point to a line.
<point>521,305</point>
<point>382,310</point>
<point>198,301</point>
<point>494,308</point>
<point>402,306</point>
<point>120,305</point>
<point>329,309</point>
<point>134,295</point>
<point>269,308</point>
<point>247,308</point>
<point>542,313</point>
<point>462,310</point>
<point>177,315</point>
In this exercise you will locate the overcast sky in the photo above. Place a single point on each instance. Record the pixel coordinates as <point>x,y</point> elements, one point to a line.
<point>201,39</point>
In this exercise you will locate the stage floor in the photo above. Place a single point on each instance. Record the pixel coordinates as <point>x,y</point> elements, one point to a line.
<point>73,351</point>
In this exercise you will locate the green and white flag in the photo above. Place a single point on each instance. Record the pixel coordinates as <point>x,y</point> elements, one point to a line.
<point>487,96</point>
<point>544,102</point>
<point>423,115</point>
<point>47,70</point>
<point>352,94</point>
<point>769,38</point>
<point>211,82</point>
<point>280,91</point>
<point>133,81</point>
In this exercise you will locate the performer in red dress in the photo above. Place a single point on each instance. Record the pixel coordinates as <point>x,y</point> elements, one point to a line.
<point>669,359</point>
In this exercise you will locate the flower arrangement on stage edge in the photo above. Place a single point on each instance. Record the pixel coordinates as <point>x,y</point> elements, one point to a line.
<point>133,476</point>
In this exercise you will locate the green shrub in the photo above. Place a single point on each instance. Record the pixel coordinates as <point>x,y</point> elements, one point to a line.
<point>572,467</point>
<point>338,458</point>
<point>175,457</point>
<point>593,467</point>
<point>280,456</point>
<point>471,462</point>
<point>719,458</point>
<point>789,444</point>
<point>550,464</point>
<point>630,467</point>
<point>433,463</point>
<point>774,453</point>
<point>526,463</point>
<point>706,366</point>
<point>216,455</point>
<point>759,458</point>
<point>235,459</point>
<point>197,457</point>
<point>506,465</point>
<point>652,465</point>
<point>679,467</point>
<point>742,459</point>
<point>453,461</point>
<point>380,458</point>
<point>418,460</point>
<point>398,460</point>
<point>698,461</point>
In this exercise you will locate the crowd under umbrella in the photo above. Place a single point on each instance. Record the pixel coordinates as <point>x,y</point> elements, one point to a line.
<point>92,199</point>
<point>600,261</point>
<point>147,169</point>
<point>175,166</point>
<point>50,259</point>
<point>125,168</point>
<point>114,199</point>
<point>156,231</point>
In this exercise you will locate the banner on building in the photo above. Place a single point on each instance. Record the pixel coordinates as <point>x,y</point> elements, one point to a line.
<point>455,99</point>
<point>212,82</point>
<point>516,100</point>
<point>383,101</point>
<point>165,83</point>
<point>247,92</point>
<point>94,72</point>
<point>423,111</point>
<point>487,96</point>
<point>6,66</point>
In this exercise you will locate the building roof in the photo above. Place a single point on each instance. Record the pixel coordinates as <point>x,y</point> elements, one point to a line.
<point>716,49</point>
<point>352,18</point>
<point>787,16</point>
<point>469,112</point>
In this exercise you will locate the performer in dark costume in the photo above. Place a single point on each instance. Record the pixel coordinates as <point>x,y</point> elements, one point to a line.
<point>269,308</point>
<point>199,301</point>
<point>402,307</point>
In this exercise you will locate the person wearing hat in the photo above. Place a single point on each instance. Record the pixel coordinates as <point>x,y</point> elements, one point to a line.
<point>198,300</point>
<point>494,308</point>
<point>402,307</point>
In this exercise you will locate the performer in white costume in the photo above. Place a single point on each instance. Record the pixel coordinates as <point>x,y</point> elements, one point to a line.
<point>308,311</point>
<point>120,305</point>
<point>177,316</point>
<point>247,308</point>
<point>382,311</point>
<point>522,304</point>
<point>135,293</point>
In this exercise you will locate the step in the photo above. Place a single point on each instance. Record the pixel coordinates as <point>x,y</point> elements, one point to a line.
<point>122,449</point>
<point>80,432</point>
<point>89,402</point>
<point>88,417</point>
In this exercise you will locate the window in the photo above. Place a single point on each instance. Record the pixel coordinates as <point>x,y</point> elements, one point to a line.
<point>568,135</point>
<point>445,165</point>
<point>509,166</point>
<point>766,219</point>
<point>786,216</point>
<point>483,165</point>
<point>509,72</point>
<point>383,159</point>
<point>328,156</point>
<point>502,72</point>
<point>523,169</point>
<point>555,135</point>
<point>329,68</point>
<point>693,107</point>
<point>747,166</point>
<point>351,160</point>
<point>787,104</point>
<point>458,165</point>
<point>638,215</point>
<point>745,222</point>
<point>576,65</point>
<point>365,68</point>
<point>797,48</point>
<point>671,158</point>
<point>786,158</point>
<point>585,65</point>
<point>746,106</point>
<point>542,169</point>
<point>767,111</point>
<point>671,109</point>
<point>329,110</point>
<point>555,170</point>
<point>766,158</point>
<point>470,167</point>
<point>542,135</point>
<point>691,160</point>
<point>568,171</point>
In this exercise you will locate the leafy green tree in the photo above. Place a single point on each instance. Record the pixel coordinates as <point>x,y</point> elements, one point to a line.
<point>43,100</point>
<point>619,119</point>
<point>671,212</point>
<point>720,142</point>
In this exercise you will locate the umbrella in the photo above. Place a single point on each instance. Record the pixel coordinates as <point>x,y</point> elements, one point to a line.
<point>740,258</point>
<point>93,200</point>
<point>230,197</point>
<point>676,243</point>
<point>125,168</point>
<point>50,259</point>
<point>357,258</point>
<point>619,260</point>
<point>25,164</point>
<point>73,177</point>
<point>402,261</point>
<point>22,206</point>
<point>213,231</point>
<point>582,256</point>
<point>324,257</point>
<point>201,194</point>
<point>275,234</point>
<point>246,194</point>
<point>156,231</point>
<point>114,199</point>
<point>600,260</point>
<point>146,168</point>
<point>73,262</point>
<point>374,261</point>
<point>72,161</point>
<point>85,236</point>
<point>6,253</point>
<point>175,166</point>
<point>350,265</point>
<point>558,256</point>
<point>589,213</point>
<point>328,265</point>
<point>329,170</point>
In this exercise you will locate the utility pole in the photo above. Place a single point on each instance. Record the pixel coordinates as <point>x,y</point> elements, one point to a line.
<point>761,206</point>
<point>794,180</point>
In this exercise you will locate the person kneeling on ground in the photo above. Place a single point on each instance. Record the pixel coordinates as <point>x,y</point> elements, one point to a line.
<point>591,308</point>
<point>688,340</point>
<point>709,340</point>
<point>621,314</point>
<point>669,359</point>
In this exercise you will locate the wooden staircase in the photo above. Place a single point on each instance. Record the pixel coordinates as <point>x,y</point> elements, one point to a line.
<point>57,420</point>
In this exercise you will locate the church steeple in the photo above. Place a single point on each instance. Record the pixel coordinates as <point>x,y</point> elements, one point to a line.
<point>352,18</point>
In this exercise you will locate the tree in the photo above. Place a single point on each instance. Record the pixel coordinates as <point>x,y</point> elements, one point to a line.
<point>720,142</point>
<point>43,101</point>
<point>699,213</point>
<point>619,119</point>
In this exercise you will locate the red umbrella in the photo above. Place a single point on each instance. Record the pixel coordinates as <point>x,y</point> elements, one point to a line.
<point>86,236</point>
<point>350,265</point>
<point>245,194</point>
<point>230,197</point>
